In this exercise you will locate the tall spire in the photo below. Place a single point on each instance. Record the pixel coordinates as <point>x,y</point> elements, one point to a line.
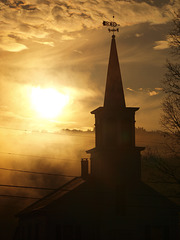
<point>114,94</point>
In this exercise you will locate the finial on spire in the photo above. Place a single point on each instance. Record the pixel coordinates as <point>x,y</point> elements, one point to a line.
<point>112,25</point>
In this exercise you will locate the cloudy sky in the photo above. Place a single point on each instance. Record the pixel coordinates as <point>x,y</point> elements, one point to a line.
<point>61,47</point>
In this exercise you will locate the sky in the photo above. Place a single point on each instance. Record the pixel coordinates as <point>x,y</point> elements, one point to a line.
<point>61,47</point>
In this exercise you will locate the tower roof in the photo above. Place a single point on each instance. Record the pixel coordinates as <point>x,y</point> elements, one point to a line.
<point>114,94</point>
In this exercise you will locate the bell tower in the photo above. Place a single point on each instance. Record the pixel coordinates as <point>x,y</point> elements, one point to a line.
<point>115,158</point>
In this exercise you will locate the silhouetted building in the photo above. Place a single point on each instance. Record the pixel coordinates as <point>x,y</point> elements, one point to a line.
<point>112,202</point>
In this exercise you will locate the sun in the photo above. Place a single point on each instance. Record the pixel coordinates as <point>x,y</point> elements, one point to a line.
<point>48,102</point>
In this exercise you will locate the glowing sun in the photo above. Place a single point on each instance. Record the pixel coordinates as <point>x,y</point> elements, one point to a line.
<point>48,102</point>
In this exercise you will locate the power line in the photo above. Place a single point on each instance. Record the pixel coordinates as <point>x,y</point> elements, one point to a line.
<point>29,187</point>
<point>26,155</point>
<point>32,172</point>
<point>16,196</point>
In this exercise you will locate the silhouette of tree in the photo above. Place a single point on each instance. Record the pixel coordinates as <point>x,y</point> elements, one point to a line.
<point>165,169</point>
<point>170,119</point>
<point>162,172</point>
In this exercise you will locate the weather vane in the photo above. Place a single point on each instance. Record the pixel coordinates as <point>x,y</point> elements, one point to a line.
<point>113,26</point>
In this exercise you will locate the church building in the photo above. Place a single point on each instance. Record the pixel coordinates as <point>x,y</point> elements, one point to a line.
<point>111,202</point>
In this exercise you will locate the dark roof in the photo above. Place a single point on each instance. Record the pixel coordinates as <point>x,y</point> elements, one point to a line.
<point>43,202</point>
<point>147,196</point>
<point>141,196</point>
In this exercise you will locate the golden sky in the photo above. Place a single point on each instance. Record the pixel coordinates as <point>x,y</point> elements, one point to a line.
<point>61,47</point>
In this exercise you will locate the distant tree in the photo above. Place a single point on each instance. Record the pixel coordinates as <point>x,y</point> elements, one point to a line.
<point>170,119</point>
<point>162,172</point>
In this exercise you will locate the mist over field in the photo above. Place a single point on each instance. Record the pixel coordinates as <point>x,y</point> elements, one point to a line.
<point>46,152</point>
<point>38,152</point>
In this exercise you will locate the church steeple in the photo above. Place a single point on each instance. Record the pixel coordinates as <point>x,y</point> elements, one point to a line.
<point>114,94</point>
<point>115,158</point>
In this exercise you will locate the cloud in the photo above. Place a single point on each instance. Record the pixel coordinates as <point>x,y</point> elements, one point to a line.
<point>36,20</point>
<point>130,89</point>
<point>9,43</point>
<point>152,93</point>
<point>66,37</point>
<point>77,51</point>
<point>19,4</point>
<point>158,89</point>
<point>29,7</point>
<point>139,35</point>
<point>160,45</point>
<point>148,91</point>
<point>13,47</point>
<point>51,44</point>
<point>150,107</point>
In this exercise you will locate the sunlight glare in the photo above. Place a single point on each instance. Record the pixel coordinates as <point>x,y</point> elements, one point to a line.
<point>48,102</point>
